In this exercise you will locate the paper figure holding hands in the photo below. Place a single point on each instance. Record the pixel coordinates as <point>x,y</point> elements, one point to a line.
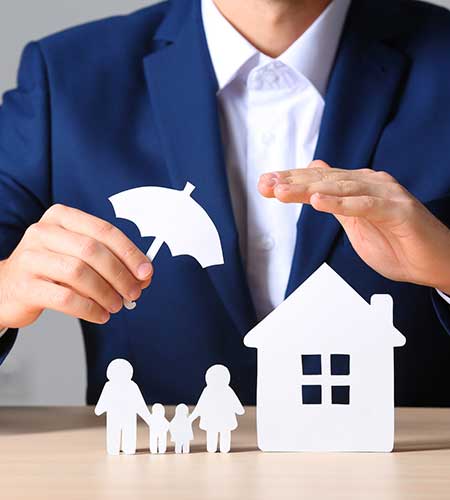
<point>181,429</point>
<point>122,401</point>
<point>217,408</point>
<point>159,427</point>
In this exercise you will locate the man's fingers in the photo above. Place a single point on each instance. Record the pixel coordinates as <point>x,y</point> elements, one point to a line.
<point>47,295</point>
<point>100,258</point>
<point>145,284</point>
<point>322,173</point>
<point>74,273</point>
<point>79,222</point>
<point>302,192</point>
<point>368,207</point>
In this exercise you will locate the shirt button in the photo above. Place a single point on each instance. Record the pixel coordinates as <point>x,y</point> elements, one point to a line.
<point>266,243</point>
<point>270,76</point>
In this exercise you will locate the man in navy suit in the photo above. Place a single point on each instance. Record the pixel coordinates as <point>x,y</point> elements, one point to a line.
<point>159,98</point>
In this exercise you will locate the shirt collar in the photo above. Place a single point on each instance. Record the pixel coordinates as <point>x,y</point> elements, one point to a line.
<point>312,55</point>
<point>228,49</point>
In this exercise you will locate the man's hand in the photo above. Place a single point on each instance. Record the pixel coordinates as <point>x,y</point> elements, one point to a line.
<point>74,263</point>
<point>389,229</point>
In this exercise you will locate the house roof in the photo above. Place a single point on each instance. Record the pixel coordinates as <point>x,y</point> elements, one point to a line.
<point>326,309</point>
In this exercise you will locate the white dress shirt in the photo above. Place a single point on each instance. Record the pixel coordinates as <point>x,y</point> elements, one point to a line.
<point>444,296</point>
<point>271,111</point>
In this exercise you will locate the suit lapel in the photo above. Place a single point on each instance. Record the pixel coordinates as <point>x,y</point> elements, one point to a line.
<point>182,87</point>
<point>359,101</point>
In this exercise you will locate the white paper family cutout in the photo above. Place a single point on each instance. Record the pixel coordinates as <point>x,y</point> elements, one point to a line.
<point>159,426</point>
<point>172,217</point>
<point>181,429</point>
<point>326,369</point>
<point>122,402</point>
<point>217,408</point>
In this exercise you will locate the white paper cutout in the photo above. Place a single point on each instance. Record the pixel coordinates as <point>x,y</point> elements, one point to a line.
<point>181,429</point>
<point>159,426</point>
<point>174,218</point>
<point>326,317</point>
<point>122,401</point>
<point>217,408</point>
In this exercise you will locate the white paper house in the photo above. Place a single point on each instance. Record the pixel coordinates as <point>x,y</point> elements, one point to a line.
<point>326,369</point>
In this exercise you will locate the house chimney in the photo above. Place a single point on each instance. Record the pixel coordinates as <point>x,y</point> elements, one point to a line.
<point>383,306</point>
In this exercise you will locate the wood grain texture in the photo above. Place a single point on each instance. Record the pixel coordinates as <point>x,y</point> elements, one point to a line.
<point>59,453</point>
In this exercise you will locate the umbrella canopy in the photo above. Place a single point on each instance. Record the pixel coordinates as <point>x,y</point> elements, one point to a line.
<point>172,217</point>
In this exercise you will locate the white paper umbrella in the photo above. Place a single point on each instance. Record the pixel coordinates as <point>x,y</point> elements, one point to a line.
<point>174,218</point>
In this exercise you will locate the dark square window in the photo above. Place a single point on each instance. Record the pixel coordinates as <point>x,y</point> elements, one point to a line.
<point>312,364</point>
<point>340,394</point>
<point>312,394</point>
<point>340,364</point>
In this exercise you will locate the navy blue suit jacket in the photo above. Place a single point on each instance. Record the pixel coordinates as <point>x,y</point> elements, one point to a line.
<point>131,101</point>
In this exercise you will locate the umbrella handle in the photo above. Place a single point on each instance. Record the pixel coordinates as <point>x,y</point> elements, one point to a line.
<point>155,248</point>
<point>151,254</point>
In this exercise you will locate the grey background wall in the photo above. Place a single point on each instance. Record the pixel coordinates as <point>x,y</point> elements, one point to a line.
<point>47,365</point>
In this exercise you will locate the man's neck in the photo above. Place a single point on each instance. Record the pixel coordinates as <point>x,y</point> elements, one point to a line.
<point>272,26</point>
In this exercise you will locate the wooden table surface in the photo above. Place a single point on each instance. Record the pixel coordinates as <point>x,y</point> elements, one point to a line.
<point>59,453</point>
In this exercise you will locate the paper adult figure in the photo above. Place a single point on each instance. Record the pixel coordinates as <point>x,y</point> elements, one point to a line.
<point>181,429</point>
<point>174,218</point>
<point>217,408</point>
<point>159,427</point>
<point>122,401</point>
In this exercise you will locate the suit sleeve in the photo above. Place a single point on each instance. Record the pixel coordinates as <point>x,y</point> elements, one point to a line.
<point>441,209</point>
<point>25,170</point>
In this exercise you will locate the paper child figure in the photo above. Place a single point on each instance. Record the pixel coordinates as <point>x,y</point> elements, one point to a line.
<point>181,429</point>
<point>217,408</point>
<point>159,426</point>
<point>122,400</point>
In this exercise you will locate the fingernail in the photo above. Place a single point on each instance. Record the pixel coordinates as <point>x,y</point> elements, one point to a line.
<point>320,196</point>
<point>145,270</point>
<point>116,306</point>
<point>282,187</point>
<point>269,179</point>
<point>134,293</point>
<point>104,318</point>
